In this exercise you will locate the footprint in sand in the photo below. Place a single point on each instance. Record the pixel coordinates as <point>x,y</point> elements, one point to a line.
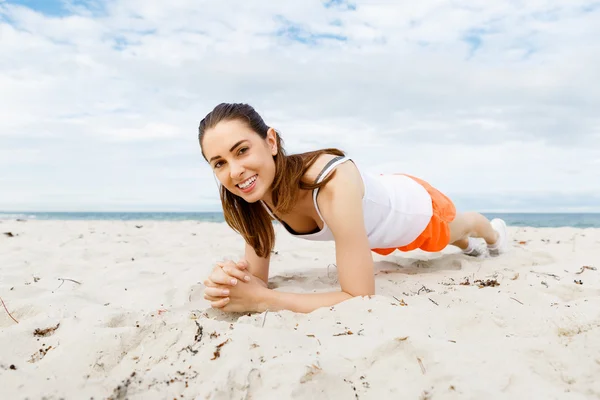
<point>541,258</point>
<point>569,291</point>
<point>20,314</point>
<point>526,258</point>
<point>278,280</point>
<point>196,293</point>
<point>118,321</point>
<point>316,383</point>
<point>548,366</point>
<point>124,334</point>
<point>416,266</point>
<point>397,354</point>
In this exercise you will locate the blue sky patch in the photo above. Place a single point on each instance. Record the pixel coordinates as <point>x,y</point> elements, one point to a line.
<point>120,43</point>
<point>58,8</point>
<point>341,4</point>
<point>474,39</point>
<point>550,15</point>
<point>297,33</point>
<point>588,8</point>
<point>126,39</point>
<point>48,7</point>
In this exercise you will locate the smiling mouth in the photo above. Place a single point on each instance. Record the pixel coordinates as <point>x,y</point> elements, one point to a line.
<point>247,183</point>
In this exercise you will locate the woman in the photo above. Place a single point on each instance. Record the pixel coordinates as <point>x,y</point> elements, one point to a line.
<point>319,195</point>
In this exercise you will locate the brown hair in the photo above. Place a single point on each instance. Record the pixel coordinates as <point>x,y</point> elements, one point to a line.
<point>252,220</point>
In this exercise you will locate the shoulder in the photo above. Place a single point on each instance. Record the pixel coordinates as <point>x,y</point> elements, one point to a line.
<point>317,167</point>
<point>345,185</point>
<point>347,169</point>
<point>340,203</point>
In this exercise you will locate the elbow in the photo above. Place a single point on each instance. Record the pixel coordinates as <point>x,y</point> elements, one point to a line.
<point>368,293</point>
<point>361,292</point>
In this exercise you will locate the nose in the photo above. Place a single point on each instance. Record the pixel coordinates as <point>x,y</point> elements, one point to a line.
<point>236,170</point>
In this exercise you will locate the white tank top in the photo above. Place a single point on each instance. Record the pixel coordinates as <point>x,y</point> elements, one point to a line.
<point>396,209</point>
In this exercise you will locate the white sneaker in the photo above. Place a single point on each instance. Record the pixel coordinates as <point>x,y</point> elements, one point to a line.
<point>477,248</point>
<point>501,246</point>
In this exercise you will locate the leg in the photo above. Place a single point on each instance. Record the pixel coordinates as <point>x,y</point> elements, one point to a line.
<point>462,244</point>
<point>470,225</point>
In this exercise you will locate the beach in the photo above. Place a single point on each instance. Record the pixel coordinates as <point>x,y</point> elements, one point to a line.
<point>115,310</point>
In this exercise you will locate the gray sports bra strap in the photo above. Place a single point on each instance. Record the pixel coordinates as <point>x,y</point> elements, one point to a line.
<point>326,168</point>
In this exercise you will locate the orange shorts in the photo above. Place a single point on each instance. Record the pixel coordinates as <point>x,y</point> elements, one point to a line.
<point>436,235</point>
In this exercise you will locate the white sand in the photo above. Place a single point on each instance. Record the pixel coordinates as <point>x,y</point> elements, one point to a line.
<point>535,336</point>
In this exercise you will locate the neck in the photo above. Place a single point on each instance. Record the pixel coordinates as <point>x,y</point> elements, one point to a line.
<point>268,199</point>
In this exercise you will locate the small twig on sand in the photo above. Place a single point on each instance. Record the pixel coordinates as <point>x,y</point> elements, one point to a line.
<point>425,289</point>
<point>264,319</point>
<point>8,312</point>
<point>547,274</point>
<point>401,302</point>
<point>70,280</point>
<point>421,365</point>
<point>66,279</point>
<point>433,302</point>
<point>68,241</point>
<point>584,268</point>
<point>516,300</point>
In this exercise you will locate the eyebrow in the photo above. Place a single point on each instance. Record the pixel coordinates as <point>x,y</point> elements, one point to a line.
<point>230,150</point>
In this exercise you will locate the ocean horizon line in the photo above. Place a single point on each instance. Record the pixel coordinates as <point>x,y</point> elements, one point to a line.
<point>537,219</point>
<point>91,211</point>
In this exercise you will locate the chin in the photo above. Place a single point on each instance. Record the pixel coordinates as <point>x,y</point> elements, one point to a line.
<point>251,198</point>
<point>247,197</point>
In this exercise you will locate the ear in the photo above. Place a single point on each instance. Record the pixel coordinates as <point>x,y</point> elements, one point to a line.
<point>272,141</point>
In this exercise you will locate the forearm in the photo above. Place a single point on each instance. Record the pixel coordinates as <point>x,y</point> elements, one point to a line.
<point>263,283</point>
<point>300,302</point>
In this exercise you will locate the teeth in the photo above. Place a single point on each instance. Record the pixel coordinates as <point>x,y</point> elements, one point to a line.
<point>247,183</point>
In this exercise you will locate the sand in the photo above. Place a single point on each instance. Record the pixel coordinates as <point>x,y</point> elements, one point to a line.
<point>124,306</point>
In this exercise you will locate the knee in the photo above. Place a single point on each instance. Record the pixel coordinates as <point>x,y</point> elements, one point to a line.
<point>474,220</point>
<point>465,224</point>
<point>472,217</point>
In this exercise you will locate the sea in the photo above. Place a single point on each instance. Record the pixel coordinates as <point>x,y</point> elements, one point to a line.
<point>537,220</point>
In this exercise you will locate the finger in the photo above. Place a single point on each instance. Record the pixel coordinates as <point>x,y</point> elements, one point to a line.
<point>211,298</point>
<point>209,283</point>
<point>220,277</point>
<point>242,264</point>
<point>235,272</point>
<point>218,291</point>
<point>220,303</point>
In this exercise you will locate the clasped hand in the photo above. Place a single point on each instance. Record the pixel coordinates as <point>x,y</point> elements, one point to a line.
<point>230,287</point>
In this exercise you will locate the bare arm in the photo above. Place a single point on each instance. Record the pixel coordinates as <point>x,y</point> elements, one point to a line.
<point>300,302</point>
<point>257,266</point>
<point>340,203</point>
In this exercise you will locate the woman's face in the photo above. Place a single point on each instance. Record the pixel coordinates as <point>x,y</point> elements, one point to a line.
<point>241,160</point>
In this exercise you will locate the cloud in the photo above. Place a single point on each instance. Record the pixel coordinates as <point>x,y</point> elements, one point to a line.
<point>101,100</point>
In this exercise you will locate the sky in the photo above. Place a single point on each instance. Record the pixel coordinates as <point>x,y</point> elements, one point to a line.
<point>494,102</point>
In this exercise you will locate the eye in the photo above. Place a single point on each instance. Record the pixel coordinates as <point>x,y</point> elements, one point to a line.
<point>242,150</point>
<point>218,164</point>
